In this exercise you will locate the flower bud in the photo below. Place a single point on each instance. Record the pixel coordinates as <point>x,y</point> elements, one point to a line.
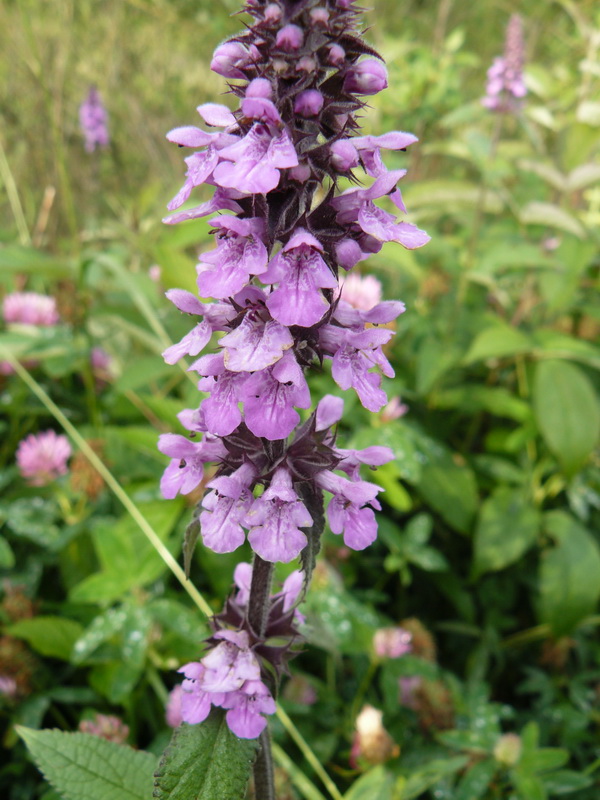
<point>336,55</point>
<point>259,87</point>
<point>319,16</point>
<point>289,38</point>
<point>394,410</point>
<point>309,103</point>
<point>306,64</point>
<point>507,749</point>
<point>343,155</point>
<point>367,77</point>
<point>273,13</point>
<point>301,173</point>
<point>229,59</point>
<point>348,253</point>
<point>371,741</point>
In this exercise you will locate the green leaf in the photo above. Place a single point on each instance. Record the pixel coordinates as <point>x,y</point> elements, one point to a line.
<point>476,781</point>
<point>508,525</point>
<point>421,780</point>
<point>18,259</point>
<point>499,341</point>
<point>565,781</point>
<point>115,680</point>
<point>205,762</point>
<point>567,412</point>
<point>551,216</point>
<point>569,574</point>
<point>50,636</point>
<point>85,767</point>
<point>472,398</point>
<point>7,557</point>
<point>582,176</point>
<point>451,489</point>
<point>100,630</point>
<point>376,784</point>
<point>529,787</point>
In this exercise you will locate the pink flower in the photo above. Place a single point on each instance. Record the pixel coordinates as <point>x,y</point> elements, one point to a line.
<point>173,709</point>
<point>107,727</point>
<point>392,642</point>
<point>394,410</point>
<point>30,308</point>
<point>42,457</point>
<point>363,293</point>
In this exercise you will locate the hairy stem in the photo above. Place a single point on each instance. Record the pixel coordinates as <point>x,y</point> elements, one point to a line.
<point>260,592</point>
<point>258,611</point>
<point>264,785</point>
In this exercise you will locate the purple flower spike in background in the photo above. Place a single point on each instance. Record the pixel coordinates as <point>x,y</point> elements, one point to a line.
<point>505,86</point>
<point>285,234</point>
<point>93,119</point>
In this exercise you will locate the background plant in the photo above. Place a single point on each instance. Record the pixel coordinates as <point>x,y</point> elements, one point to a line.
<point>499,343</point>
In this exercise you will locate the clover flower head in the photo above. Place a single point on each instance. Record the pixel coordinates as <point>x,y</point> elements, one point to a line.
<point>42,458</point>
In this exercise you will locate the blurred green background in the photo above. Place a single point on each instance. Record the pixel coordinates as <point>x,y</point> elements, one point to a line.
<point>489,538</point>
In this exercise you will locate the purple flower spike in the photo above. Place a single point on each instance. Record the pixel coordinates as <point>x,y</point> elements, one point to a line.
<point>93,119</point>
<point>284,234</point>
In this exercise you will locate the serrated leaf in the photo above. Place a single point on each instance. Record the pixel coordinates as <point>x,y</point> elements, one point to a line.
<point>551,216</point>
<point>508,526</point>
<point>567,412</point>
<point>569,574</point>
<point>205,762</point>
<point>85,767</point>
<point>50,636</point>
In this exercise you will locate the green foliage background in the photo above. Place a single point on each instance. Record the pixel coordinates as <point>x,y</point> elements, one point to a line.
<point>489,533</point>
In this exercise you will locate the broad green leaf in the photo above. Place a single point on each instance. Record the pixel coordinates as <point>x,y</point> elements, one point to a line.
<point>529,787</point>
<point>85,767</point>
<point>450,489</point>
<point>567,412</point>
<point>115,680</point>
<point>337,620</point>
<point>127,557</point>
<point>50,636</point>
<point>508,526</point>
<point>419,781</point>
<point>472,398</point>
<point>551,216</point>
<point>376,784</point>
<point>569,574</point>
<point>102,628</point>
<point>554,344</point>
<point>565,781</point>
<point>499,341</point>
<point>205,762</point>
<point>476,781</point>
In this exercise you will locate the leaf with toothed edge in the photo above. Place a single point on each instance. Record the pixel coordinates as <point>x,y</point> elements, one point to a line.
<point>205,762</point>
